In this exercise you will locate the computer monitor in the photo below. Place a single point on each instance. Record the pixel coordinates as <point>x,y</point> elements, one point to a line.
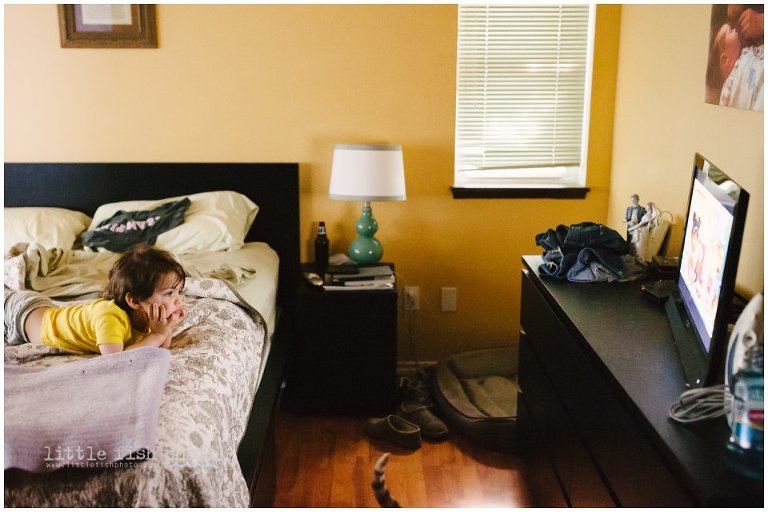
<point>699,312</point>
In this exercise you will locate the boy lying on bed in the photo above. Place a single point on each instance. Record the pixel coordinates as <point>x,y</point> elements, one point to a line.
<point>142,304</point>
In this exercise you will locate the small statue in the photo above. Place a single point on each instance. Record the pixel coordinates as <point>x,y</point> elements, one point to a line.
<point>646,236</point>
<point>634,213</point>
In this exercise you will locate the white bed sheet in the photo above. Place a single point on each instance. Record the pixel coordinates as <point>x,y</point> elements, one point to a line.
<point>260,291</point>
<point>252,269</point>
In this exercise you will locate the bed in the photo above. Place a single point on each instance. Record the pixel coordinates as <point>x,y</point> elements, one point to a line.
<point>271,186</point>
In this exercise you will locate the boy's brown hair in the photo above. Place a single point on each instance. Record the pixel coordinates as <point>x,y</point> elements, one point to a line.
<point>137,271</point>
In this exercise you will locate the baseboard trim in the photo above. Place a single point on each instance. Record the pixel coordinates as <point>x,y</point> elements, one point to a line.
<point>409,368</point>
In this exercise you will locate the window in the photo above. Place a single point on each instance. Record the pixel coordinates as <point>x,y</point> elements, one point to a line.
<point>522,99</point>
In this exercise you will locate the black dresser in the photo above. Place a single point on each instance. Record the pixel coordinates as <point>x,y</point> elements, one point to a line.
<point>598,372</point>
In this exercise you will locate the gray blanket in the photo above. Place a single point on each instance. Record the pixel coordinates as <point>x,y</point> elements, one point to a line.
<point>89,413</point>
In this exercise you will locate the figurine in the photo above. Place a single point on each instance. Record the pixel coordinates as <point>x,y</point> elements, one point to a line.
<point>646,236</point>
<point>634,213</point>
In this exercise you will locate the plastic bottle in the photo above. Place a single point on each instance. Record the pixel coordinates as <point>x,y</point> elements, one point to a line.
<point>321,249</point>
<point>745,446</point>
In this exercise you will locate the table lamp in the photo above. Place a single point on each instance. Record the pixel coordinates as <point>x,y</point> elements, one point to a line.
<point>367,172</point>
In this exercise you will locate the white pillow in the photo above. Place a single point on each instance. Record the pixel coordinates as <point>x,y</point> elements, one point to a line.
<point>51,227</point>
<point>215,221</point>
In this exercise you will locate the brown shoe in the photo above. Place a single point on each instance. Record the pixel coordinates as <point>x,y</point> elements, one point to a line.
<point>395,430</point>
<point>431,426</point>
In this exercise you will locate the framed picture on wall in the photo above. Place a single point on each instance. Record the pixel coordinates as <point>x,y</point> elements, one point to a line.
<point>735,66</point>
<point>107,26</point>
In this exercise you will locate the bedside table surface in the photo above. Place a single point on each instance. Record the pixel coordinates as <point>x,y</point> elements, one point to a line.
<point>306,287</point>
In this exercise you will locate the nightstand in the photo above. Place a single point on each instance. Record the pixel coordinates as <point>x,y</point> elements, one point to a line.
<point>345,350</point>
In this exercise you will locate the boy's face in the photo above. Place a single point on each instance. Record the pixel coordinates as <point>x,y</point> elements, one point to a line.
<point>730,49</point>
<point>168,294</point>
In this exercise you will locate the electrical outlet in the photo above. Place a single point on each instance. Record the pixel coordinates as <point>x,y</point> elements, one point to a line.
<point>411,299</point>
<point>448,298</point>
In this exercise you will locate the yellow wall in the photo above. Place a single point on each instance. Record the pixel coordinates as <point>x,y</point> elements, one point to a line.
<point>286,83</point>
<point>662,121</point>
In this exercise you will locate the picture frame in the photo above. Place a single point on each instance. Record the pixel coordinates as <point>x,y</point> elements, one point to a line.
<point>107,26</point>
<point>735,68</point>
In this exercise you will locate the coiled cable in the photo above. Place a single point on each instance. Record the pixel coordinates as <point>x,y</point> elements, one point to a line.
<point>702,404</point>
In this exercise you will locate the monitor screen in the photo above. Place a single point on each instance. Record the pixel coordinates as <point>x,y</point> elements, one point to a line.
<point>709,257</point>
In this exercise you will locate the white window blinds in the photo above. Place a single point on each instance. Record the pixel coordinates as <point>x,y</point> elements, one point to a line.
<point>521,103</point>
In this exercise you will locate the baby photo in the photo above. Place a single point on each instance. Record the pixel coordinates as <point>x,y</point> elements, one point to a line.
<point>735,66</point>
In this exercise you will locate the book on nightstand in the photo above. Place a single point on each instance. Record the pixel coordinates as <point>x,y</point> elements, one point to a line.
<point>375,277</point>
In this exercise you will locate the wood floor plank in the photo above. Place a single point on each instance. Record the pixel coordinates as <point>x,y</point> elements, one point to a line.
<point>327,461</point>
<point>435,486</point>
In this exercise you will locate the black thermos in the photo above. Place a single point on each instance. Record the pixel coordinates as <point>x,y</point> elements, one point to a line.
<point>321,249</point>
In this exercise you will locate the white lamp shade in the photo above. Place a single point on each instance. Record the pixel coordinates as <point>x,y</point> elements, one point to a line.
<point>367,172</point>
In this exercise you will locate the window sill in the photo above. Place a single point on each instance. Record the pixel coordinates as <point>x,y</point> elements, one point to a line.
<point>520,193</point>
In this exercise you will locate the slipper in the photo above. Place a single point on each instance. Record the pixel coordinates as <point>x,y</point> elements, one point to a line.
<point>395,430</point>
<point>431,426</point>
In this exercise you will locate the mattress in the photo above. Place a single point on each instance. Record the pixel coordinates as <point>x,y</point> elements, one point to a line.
<point>260,289</point>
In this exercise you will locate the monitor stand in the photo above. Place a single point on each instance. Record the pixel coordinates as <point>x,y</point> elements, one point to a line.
<point>692,356</point>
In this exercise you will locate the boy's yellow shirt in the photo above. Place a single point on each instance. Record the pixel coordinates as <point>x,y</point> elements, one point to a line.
<point>82,328</point>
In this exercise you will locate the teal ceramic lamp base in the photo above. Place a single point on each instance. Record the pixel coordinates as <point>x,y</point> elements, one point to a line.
<point>366,249</point>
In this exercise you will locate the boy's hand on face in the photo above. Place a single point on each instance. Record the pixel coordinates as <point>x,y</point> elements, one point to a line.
<point>178,316</point>
<point>158,319</point>
<point>161,322</point>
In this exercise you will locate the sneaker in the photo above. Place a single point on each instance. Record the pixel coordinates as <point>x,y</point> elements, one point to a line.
<point>396,430</point>
<point>431,426</point>
<point>415,391</point>
<point>426,373</point>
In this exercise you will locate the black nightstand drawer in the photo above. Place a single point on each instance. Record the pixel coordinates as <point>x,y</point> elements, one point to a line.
<point>345,351</point>
<point>350,385</point>
<point>353,323</point>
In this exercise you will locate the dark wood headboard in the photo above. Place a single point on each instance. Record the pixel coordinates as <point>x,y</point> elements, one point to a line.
<point>84,187</point>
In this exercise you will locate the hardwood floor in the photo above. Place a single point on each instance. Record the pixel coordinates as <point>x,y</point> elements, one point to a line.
<point>328,462</point>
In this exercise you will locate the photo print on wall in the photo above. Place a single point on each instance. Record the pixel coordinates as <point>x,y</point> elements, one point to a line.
<point>735,66</point>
